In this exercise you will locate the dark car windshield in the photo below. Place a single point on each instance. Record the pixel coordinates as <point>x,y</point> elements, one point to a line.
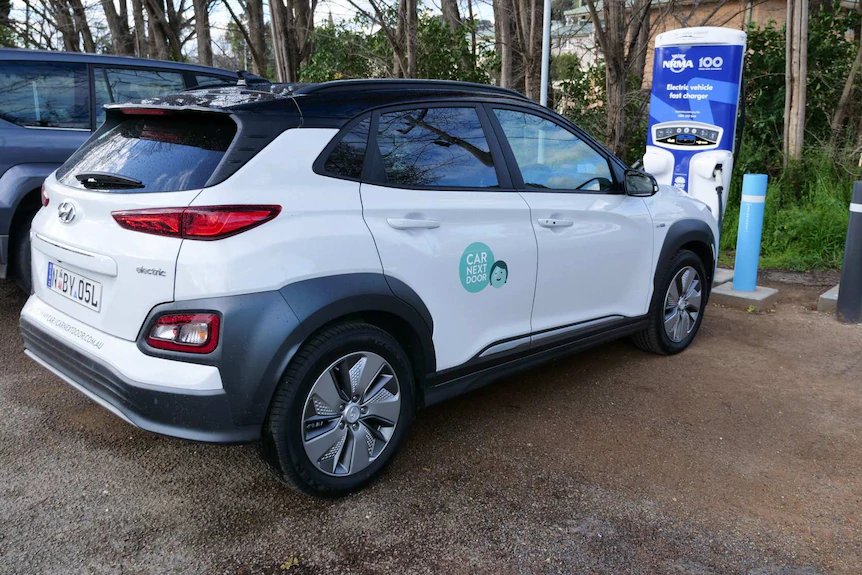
<point>163,153</point>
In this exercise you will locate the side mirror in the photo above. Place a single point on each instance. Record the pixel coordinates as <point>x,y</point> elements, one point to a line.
<point>640,184</point>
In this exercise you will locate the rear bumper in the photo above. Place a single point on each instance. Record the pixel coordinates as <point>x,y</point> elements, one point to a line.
<point>195,414</point>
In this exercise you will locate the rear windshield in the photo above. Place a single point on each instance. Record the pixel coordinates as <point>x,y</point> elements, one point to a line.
<point>162,154</point>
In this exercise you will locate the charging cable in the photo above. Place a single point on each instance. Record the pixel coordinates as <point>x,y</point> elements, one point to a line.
<point>718,174</point>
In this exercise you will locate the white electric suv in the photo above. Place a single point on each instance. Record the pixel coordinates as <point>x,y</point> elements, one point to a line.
<point>305,267</point>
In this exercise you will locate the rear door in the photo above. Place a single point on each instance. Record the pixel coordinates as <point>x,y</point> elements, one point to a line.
<point>595,242</point>
<point>84,263</point>
<point>446,221</point>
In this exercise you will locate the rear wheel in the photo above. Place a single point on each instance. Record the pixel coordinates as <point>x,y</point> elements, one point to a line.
<point>19,253</point>
<point>677,307</point>
<point>341,411</point>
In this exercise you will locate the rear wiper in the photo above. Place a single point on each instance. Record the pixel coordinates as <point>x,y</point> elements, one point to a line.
<point>107,181</point>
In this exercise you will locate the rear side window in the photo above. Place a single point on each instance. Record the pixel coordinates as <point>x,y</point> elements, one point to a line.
<point>164,154</point>
<point>439,147</point>
<point>204,80</point>
<point>45,95</point>
<point>115,85</point>
<point>347,157</point>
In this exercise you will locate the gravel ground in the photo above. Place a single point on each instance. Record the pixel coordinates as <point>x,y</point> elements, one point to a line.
<point>741,455</point>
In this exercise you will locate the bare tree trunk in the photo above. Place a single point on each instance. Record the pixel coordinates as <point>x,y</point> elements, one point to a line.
<point>796,74</point>
<point>256,33</point>
<point>256,41</point>
<point>66,26</point>
<point>844,101</point>
<point>158,29</point>
<point>202,31</point>
<point>642,41</point>
<point>277,15</point>
<point>82,26</point>
<point>290,43</point>
<point>118,25</point>
<point>412,33</point>
<point>473,47</point>
<point>451,14</point>
<point>503,14</point>
<point>142,48</point>
<point>304,29</point>
<point>399,63</point>
<point>531,42</point>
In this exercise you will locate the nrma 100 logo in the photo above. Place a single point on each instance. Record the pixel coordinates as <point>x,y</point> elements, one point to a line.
<point>677,63</point>
<point>707,63</point>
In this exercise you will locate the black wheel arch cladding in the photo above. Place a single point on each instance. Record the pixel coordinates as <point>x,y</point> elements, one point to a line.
<point>691,234</point>
<point>261,332</point>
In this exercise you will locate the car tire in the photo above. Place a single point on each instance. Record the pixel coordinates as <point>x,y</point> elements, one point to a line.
<point>333,425</point>
<point>674,321</point>
<point>19,253</point>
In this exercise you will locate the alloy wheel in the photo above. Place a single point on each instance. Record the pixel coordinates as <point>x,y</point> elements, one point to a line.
<point>682,304</point>
<point>351,413</point>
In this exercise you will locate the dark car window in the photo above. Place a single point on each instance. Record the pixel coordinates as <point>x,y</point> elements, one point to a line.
<point>348,156</point>
<point>440,147</point>
<point>124,84</point>
<point>45,94</point>
<point>550,156</point>
<point>204,80</point>
<point>164,154</point>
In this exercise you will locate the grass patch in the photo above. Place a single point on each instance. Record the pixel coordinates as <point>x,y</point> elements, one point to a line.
<point>805,218</point>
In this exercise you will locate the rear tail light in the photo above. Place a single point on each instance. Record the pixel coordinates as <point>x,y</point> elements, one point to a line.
<point>45,198</point>
<point>191,333</point>
<point>203,223</point>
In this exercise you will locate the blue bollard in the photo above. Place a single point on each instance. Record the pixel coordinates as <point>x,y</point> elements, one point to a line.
<point>750,232</point>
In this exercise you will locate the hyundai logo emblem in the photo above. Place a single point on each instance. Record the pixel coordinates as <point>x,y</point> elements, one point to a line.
<point>66,212</point>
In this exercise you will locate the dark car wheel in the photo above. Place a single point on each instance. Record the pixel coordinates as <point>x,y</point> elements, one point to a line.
<point>341,411</point>
<point>677,306</point>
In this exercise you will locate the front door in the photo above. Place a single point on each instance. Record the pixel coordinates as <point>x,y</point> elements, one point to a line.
<point>595,242</point>
<point>448,224</point>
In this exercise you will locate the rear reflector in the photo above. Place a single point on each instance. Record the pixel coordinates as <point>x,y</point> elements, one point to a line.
<point>191,333</point>
<point>45,198</point>
<point>199,223</point>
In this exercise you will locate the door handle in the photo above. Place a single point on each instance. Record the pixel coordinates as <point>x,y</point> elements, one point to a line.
<point>412,224</point>
<point>554,223</point>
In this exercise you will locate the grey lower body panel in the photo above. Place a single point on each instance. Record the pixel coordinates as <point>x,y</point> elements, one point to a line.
<point>197,417</point>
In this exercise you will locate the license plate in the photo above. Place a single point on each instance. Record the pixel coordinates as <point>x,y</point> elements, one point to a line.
<point>75,287</point>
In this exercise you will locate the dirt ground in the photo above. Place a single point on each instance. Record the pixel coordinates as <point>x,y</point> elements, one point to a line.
<point>741,455</point>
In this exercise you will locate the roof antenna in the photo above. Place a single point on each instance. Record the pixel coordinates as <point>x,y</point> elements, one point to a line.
<point>241,74</point>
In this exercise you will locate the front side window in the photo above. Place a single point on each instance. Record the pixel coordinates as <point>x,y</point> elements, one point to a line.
<point>552,157</point>
<point>45,95</point>
<point>115,85</point>
<point>347,157</point>
<point>440,147</point>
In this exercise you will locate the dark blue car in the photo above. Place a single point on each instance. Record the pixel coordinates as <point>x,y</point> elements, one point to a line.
<point>50,102</point>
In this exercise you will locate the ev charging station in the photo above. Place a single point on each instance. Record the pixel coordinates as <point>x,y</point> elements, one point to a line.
<point>693,110</point>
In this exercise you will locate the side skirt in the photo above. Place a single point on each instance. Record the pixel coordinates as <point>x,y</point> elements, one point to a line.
<point>476,373</point>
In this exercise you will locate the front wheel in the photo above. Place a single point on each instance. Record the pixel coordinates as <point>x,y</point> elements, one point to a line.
<point>341,411</point>
<point>677,307</point>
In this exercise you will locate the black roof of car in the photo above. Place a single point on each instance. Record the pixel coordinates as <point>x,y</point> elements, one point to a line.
<point>20,54</point>
<point>326,103</point>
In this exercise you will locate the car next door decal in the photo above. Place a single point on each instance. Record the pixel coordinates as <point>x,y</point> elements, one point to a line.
<point>479,268</point>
